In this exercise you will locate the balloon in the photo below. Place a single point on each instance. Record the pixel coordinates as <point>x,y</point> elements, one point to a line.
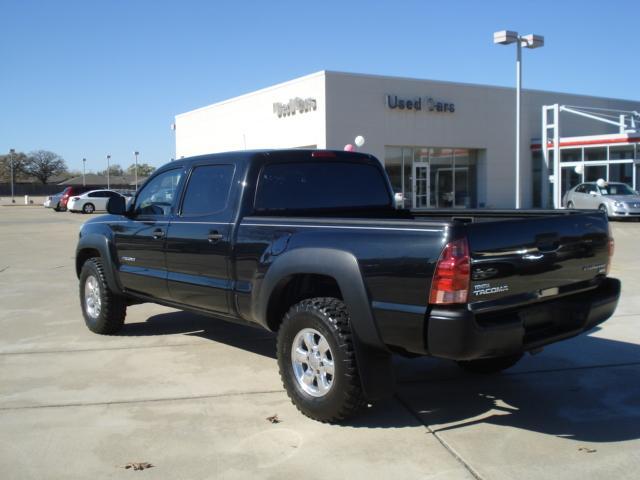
<point>349,148</point>
<point>601,183</point>
<point>359,141</point>
<point>579,169</point>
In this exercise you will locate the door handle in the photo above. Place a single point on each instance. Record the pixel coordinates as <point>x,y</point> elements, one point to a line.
<point>214,236</point>
<point>157,234</point>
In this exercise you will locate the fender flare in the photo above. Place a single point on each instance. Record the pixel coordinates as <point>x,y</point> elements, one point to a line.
<point>374,358</point>
<point>101,243</point>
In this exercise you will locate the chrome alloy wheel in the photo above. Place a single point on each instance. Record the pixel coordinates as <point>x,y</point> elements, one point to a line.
<point>92,299</point>
<point>312,362</point>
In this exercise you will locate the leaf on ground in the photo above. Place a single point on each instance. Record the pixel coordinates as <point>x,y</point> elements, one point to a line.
<point>137,466</point>
<point>274,419</point>
<point>587,450</point>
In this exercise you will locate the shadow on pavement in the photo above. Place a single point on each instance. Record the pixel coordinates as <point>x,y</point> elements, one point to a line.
<point>557,396</point>
<point>595,402</point>
<point>251,339</point>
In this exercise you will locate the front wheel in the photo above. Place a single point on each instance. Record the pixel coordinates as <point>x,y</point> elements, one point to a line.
<point>490,365</point>
<point>88,208</point>
<point>570,205</point>
<point>317,360</point>
<point>103,310</point>
<point>604,210</point>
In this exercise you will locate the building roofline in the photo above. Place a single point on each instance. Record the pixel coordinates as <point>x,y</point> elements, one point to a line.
<point>255,92</point>
<point>390,77</point>
<point>466,84</point>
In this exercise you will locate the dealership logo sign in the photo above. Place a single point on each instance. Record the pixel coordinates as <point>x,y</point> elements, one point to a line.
<point>299,105</point>
<point>427,104</point>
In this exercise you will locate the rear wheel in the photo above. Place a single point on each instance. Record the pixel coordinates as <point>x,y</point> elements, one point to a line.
<point>317,361</point>
<point>88,208</point>
<point>490,365</point>
<point>103,310</point>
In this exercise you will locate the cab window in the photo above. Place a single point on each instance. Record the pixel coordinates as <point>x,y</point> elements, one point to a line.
<point>156,198</point>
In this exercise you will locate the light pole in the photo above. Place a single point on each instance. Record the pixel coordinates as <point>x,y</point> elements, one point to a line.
<point>108,168</point>
<point>136,153</point>
<point>11,153</point>
<point>507,37</point>
<point>84,163</point>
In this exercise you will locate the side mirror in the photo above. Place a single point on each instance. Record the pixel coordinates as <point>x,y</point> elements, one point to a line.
<point>117,206</point>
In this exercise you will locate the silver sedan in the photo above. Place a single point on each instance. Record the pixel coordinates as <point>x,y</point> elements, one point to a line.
<point>618,200</point>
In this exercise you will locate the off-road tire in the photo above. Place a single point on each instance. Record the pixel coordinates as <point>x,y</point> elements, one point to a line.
<point>328,316</point>
<point>490,365</point>
<point>88,208</point>
<point>113,307</point>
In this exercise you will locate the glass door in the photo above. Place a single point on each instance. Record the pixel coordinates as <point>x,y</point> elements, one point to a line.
<point>420,185</point>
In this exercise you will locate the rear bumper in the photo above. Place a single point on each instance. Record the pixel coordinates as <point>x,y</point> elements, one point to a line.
<point>464,335</point>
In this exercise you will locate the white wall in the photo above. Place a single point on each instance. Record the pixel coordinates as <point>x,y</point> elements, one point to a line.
<point>352,104</point>
<point>248,122</point>
<point>484,119</point>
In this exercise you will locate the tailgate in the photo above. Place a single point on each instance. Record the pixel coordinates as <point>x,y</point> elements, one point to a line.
<point>527,260</point>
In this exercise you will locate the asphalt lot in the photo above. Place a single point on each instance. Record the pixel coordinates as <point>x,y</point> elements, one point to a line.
<point>190,395</point>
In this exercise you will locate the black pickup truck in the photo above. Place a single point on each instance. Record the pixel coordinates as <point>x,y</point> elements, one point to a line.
<point>309,244</point>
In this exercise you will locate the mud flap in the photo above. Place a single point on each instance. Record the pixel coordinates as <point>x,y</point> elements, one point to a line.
<point>376,371</point>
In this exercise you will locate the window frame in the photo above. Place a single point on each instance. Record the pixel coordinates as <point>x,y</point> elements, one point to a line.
<point>180,210</point>
<point>146,184</point>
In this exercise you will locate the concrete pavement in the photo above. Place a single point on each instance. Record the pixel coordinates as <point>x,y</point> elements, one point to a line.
<point>190,395</point>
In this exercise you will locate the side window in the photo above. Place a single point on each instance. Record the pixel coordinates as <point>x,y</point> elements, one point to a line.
<point>580,189</point>
<point>157,196</point>
<point>93,194</point>
<point>208,190</point>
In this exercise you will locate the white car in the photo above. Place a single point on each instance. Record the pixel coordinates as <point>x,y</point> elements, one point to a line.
<point>53,201</point>
<point>93,201</point>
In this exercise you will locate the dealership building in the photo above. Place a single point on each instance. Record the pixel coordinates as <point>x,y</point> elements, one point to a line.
<point>443,144</point>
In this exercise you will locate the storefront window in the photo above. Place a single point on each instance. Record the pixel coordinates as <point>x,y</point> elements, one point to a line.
<point>621,172</point>
<point>621,152</point>
<point>393,165</point>
<point>594,173</point>
<point>595,154</point>
<point>571,155</point>
<point>433,177</point>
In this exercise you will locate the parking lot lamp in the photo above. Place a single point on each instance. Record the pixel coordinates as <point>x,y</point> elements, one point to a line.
<point>11,153</point>
<point>136,153</point>
<point>108,168</point>
<point>84,163</point>
<point>507,37</point>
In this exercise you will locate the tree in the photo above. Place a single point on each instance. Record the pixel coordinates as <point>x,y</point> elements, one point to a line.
<point>19,160</point>
<point>115,170</point>
<point>144,169</point>
<point>43,165</point>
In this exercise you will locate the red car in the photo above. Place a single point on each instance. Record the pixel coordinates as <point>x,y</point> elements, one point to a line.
<point>68,193</point>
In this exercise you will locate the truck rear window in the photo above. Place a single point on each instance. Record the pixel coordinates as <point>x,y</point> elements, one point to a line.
<point>321,185</point>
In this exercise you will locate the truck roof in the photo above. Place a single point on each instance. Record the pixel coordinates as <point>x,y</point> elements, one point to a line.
<point>265,155</point>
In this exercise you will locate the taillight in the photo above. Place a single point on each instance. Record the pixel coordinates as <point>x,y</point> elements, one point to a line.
<point>612,247</point>
<point>450,282</point>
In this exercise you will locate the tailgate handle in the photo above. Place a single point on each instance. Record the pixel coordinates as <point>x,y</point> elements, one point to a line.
<point>547,242</point>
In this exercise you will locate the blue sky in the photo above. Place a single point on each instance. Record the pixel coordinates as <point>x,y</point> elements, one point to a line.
<point>87,78</point>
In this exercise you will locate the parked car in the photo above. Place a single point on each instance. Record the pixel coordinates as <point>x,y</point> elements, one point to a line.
<point>69,192</point>
<point>308,244</point>
<point>92,201</point>
<point>53,201</point>
<point>617,200</point>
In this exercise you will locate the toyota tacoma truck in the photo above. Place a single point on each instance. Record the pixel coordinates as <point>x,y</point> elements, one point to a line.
<point>309,244</point>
